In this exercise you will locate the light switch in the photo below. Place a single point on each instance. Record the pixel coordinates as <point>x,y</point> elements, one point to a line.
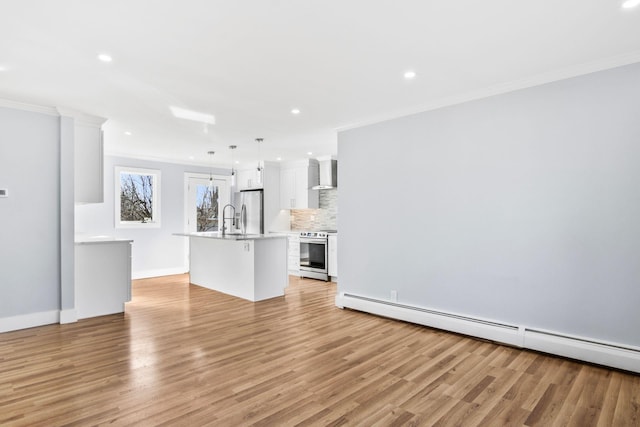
<point>4,192</point>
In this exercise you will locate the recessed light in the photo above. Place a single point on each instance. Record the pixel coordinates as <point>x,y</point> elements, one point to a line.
<point>278,158</point>
<point>2,68</point>
<point>309,153</point>
<point>628,4</point>
<point>191,157</point>
<point>105,58</point>
<point>295,111</point>
<point>237,162</point>
<point>127,133</point>
<point>409,75</point>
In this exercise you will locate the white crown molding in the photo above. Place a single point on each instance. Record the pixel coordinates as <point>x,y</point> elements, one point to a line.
<point>221,169</point>
<point>537,80</point>
<point>7,103</point>
<point>80,117</point>
<point>158,159</point>
<point>154,159</point>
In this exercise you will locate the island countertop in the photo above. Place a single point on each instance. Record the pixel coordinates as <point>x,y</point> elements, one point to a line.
<point>230,236</point>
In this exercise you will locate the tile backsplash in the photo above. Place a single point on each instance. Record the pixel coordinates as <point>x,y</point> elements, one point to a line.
<point>324,218</point>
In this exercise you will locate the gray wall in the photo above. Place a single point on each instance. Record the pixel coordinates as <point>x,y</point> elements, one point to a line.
<point>155,250</point>
<point>30,216</point>
<point>522,207</point>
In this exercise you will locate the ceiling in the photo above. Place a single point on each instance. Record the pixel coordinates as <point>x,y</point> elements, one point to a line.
<point>250,62</point>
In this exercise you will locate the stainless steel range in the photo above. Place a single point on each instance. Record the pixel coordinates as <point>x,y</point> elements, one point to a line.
<point>313,255</point>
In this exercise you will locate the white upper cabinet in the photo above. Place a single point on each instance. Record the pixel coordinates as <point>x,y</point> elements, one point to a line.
<point>88,159</point>
<point>296,180</point>
<point>287,188</point>
<point>248,179</point>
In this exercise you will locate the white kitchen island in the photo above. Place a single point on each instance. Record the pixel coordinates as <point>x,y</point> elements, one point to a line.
<point>252,267</point>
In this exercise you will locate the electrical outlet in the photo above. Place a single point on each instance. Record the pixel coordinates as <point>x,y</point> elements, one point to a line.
<point>394,296</point>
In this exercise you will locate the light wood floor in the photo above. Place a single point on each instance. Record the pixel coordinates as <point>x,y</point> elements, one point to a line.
<point>184,355</point>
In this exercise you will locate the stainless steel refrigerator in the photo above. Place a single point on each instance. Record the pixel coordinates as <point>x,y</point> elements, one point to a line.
<point>249,211</point>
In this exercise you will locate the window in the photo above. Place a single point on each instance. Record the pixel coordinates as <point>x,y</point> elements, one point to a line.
<point>137,201</point>
<point>207,208</point>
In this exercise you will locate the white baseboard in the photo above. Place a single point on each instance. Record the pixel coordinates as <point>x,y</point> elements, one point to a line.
<point>586,349</point>
<point>30,320</point>
<point>68,316</point>
<point>145,274</point>
<point>607,354</point>
<point>490,330</point>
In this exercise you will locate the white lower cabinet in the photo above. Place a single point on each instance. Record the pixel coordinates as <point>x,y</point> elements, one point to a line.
<point>102,277</point>
<point>294,255</point>
<point>332,258</point>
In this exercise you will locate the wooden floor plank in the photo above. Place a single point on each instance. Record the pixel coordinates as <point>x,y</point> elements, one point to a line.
<point>185,355</point>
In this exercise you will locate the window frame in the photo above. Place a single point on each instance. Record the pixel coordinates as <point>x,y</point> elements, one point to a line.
<point>155,197</point>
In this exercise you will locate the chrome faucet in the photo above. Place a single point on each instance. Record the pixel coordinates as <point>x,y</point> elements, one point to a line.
<point>233,218</point>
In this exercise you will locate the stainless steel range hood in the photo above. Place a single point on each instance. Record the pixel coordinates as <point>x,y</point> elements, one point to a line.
<point>328,175</point>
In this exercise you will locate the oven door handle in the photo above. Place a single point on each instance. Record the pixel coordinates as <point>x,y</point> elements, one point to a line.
<point>318,241</point>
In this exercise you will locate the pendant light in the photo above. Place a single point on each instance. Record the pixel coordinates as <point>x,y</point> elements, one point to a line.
<point>211,153</point>
<point>233,171</point>
<point>260,162</point>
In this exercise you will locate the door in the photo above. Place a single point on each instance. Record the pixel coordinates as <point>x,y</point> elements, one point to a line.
<point>203,204</point>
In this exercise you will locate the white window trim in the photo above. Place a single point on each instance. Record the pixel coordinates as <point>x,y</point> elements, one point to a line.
<point>156,197</point>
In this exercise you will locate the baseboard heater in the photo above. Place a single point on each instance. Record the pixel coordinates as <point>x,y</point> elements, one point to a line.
<point>580,348</point>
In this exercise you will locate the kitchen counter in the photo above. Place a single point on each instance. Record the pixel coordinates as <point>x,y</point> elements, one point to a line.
<point>297,232</point>
<point>285,232</point>
<point>218,236</point>
<point>84,240</point>
<point>252,267</point>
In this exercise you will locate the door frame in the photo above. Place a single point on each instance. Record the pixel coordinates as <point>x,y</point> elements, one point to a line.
<point>185,223</point>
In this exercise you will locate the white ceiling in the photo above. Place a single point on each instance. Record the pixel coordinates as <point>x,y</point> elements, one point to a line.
<point>341,62</point>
